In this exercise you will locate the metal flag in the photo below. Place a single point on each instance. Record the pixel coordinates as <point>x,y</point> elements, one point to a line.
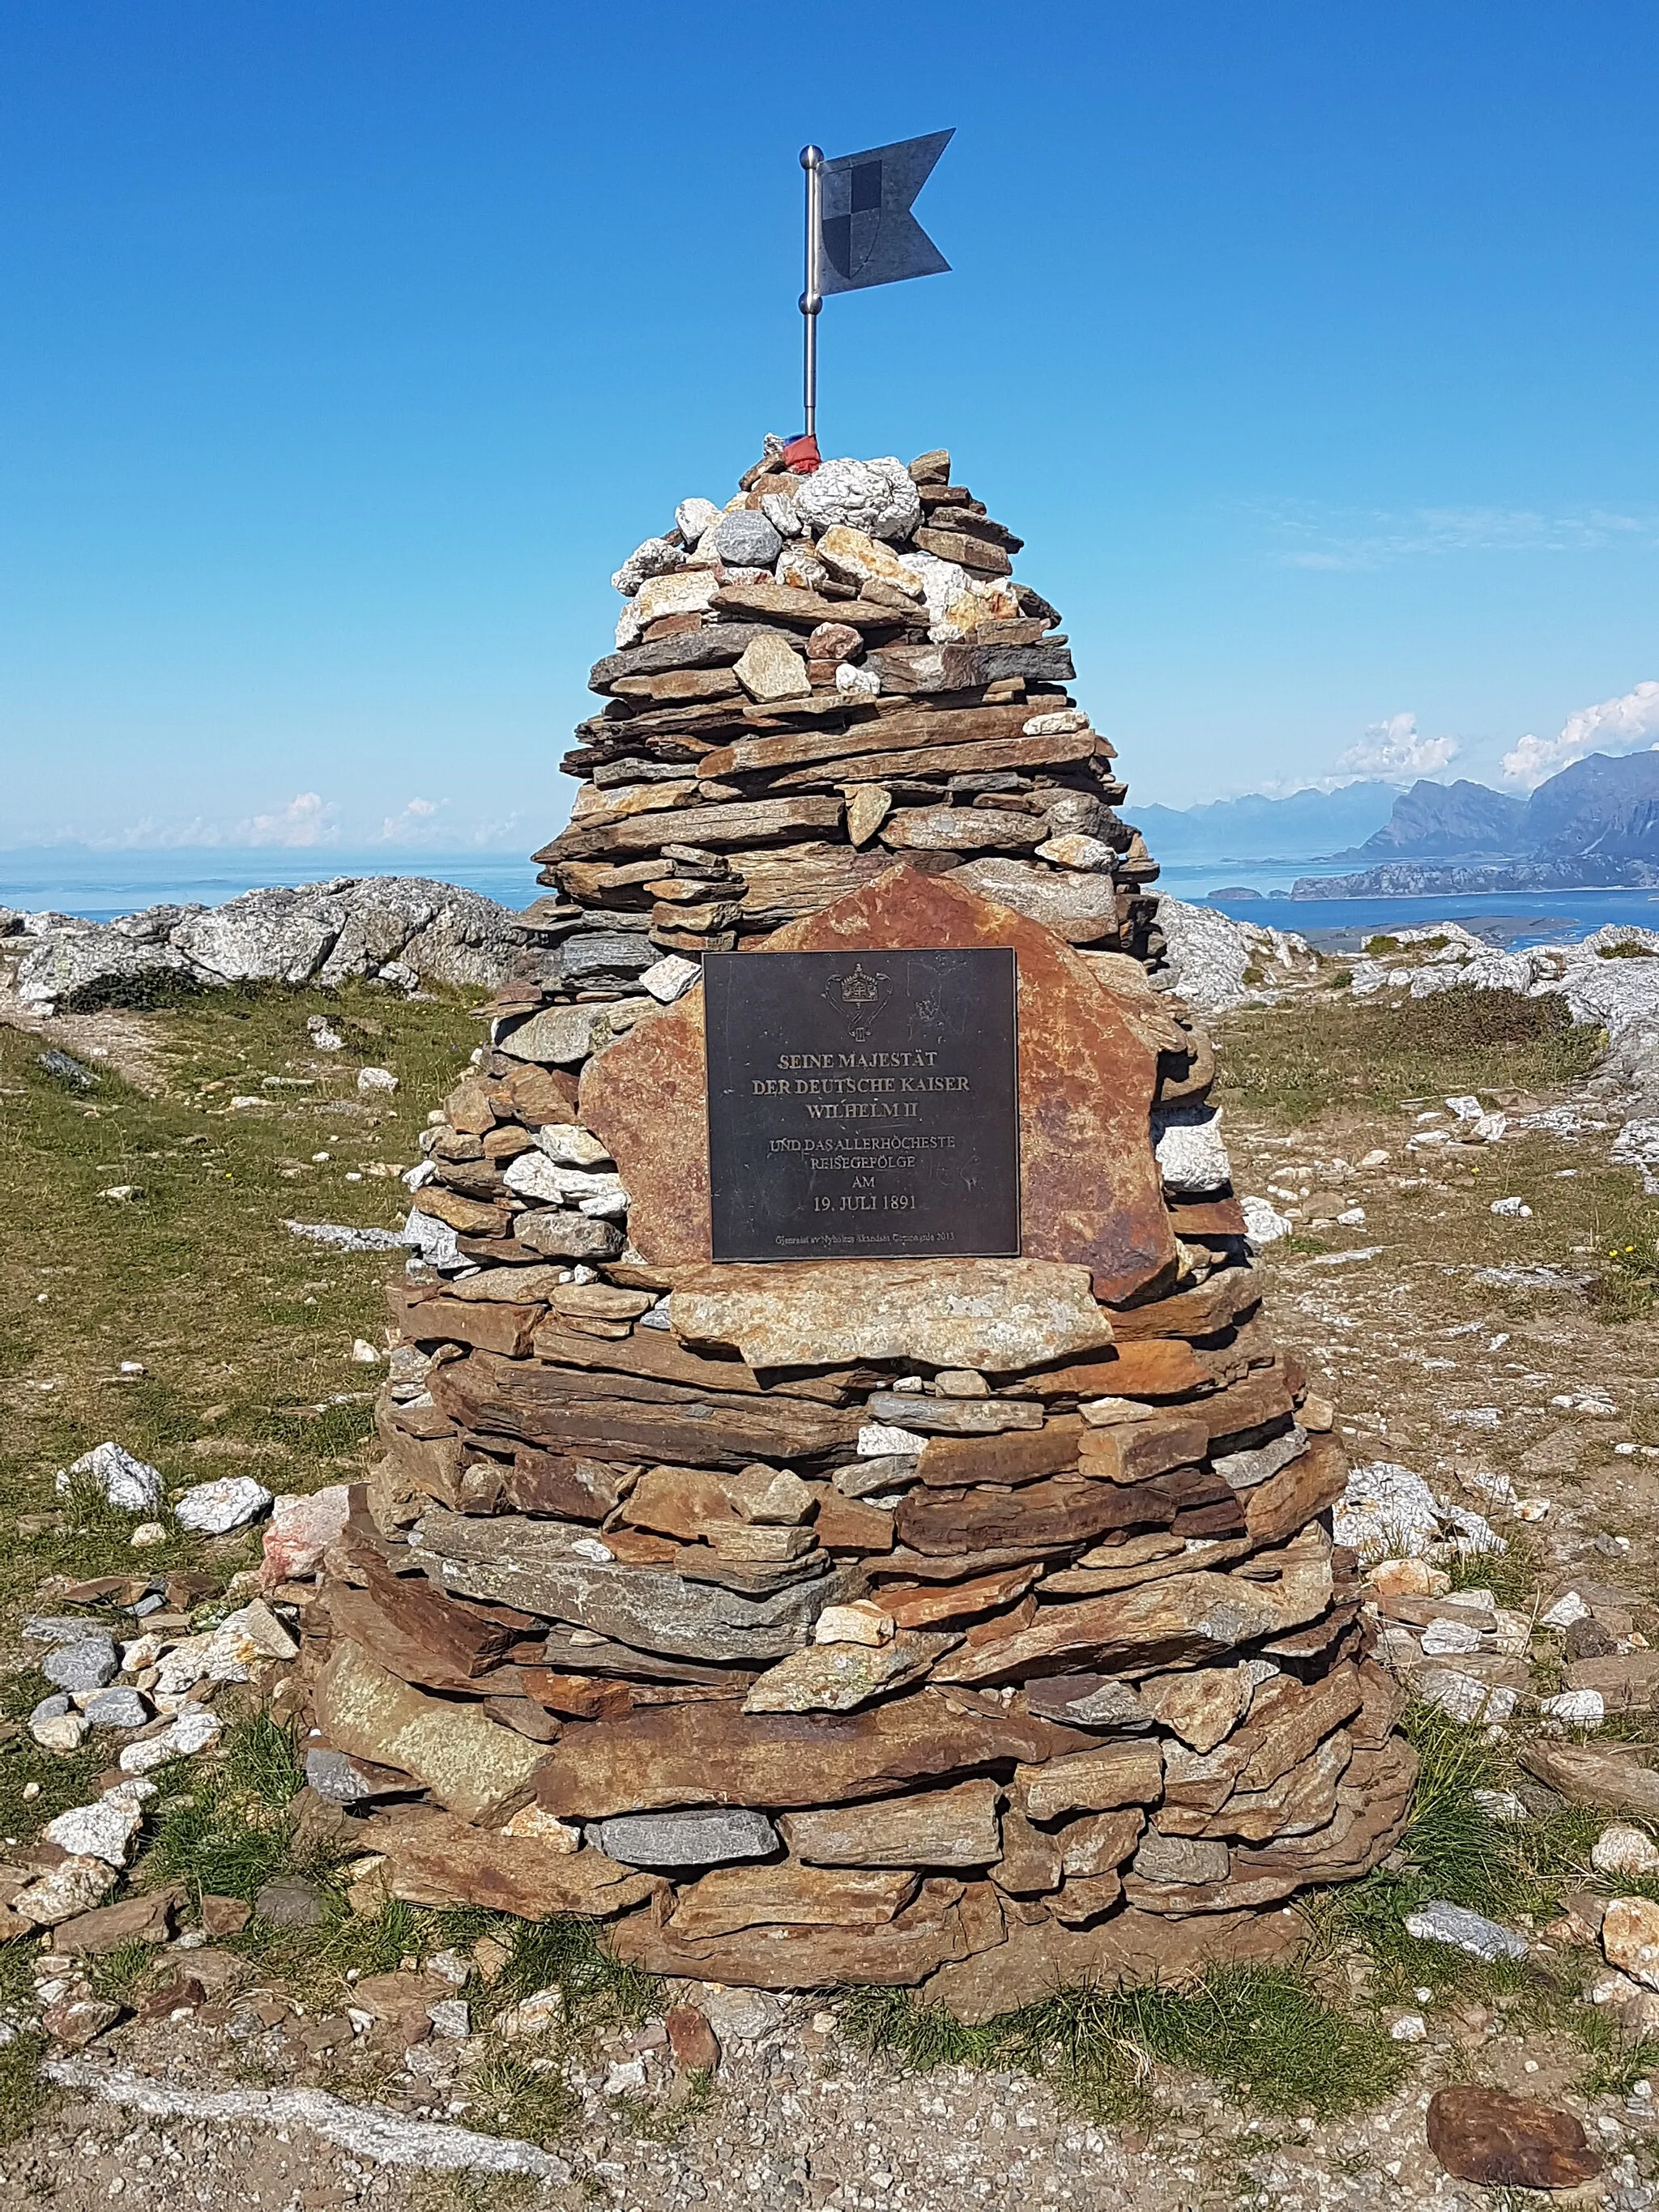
<point>860,229</point>
<point>870,235</point>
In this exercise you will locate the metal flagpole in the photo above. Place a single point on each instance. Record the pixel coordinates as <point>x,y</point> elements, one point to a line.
<point>812,160</point>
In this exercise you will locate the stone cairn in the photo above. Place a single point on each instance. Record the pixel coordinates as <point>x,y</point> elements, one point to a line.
<point>959,1622</point>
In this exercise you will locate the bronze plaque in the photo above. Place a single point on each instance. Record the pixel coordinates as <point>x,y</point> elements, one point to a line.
<point>862,1105</point>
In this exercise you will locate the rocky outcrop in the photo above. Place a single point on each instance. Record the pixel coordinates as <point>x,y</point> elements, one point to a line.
<point>1610,978</point>
<point>1213,962</point>
<point>402,931</point>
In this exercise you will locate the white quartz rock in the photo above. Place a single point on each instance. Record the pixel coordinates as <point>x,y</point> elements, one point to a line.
<point>104,1831</point>
<point>657,557</point>
<point>130,1484</point>
<point>1191,1156</point>
<point>533,1175</point>
<point>875,497</point>
<point>570,1145</point>
<point>212,1508</point>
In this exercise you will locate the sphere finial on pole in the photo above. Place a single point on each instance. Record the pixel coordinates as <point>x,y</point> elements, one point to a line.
<point>811,160</point>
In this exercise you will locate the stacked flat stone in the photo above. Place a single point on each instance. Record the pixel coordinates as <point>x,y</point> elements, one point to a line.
<point>972,1623</point>
<point>835,669</point>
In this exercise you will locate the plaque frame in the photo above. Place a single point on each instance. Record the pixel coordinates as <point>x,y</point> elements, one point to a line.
<point>948,1184</point>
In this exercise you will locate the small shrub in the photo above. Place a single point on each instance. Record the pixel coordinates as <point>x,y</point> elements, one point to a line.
<point>1627,1257</point>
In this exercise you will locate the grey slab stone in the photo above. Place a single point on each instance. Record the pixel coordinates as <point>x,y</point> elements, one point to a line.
<point>713,1837</point>
<point>291,1902</point>
<point>1097,1701</point>
<point>954,1417</point>
<point>50,1709</point>
<point>85,1666</point>
<point>603,961</point>
<point>745,539</point>
<point>714,648</point>
<point>558,1234</point>
<point>516,1561</point>
<point>339,1237</point>
<point>1244,1469</point>
<point>118,1709</point>
<point>57,1628</point>
<point>871,1478</point>
<point>343,1780</point>
<point>1440,1922</point>
<point>1171,1859</point>
<point>67,1069</point>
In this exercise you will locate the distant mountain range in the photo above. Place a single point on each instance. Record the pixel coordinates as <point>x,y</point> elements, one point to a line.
<point>1595,823</point>
<point>1257,828</point>
<point>1458,818</point>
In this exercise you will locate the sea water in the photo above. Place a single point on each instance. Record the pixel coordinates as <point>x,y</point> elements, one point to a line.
<point>1506,918</point>
<point>103,885</point>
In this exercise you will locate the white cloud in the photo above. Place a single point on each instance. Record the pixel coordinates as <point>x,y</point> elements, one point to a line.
<point>1334,537</point>
<point>486,834</point>
<point>1393,752</point>
<point>1625,725</point>
<point>413,823</point>
<point>308,819</point>
<point>150,836</point>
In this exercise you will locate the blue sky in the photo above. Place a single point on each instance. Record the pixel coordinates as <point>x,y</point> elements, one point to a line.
<point>348,349</point>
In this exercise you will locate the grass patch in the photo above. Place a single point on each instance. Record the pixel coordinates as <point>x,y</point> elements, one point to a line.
<point>224,1828</point>
<point>244,1330</point>
<point>1455,1851</point>
<point>1511,1574</point>
<point>63,1778</point>
<point>509,2093</point>
<point>475,2192</point>
<point>1624,1238</point>
<point>1340,1052</point>
<point>598,1992</point>
<point>521,2089</point>
<point>121,1975</point>
<point>1264,2033</point>
<point>17,1974</point>
<point>23,2093</point>
<point>319,1959</point>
